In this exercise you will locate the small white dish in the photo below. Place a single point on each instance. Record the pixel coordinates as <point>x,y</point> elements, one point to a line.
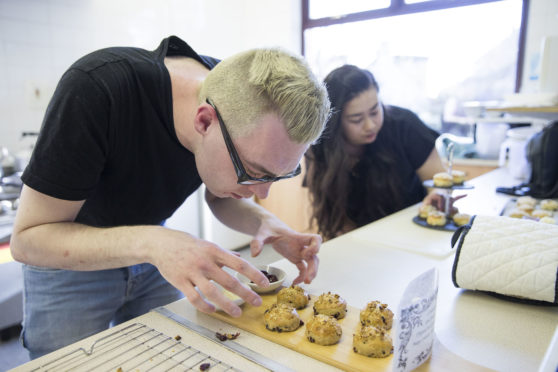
<point>280,274</point>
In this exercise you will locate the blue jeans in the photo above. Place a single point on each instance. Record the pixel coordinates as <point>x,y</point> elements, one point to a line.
<point>62,306</point>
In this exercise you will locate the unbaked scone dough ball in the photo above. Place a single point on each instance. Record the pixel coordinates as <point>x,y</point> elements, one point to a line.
<point>323,330</point>
<point>548,220</point>
<point>377,314</point>
<point>549,204</point>
<point>518,213</point>
<point>540,213</point>
<point>282,318</point>
<point>526,200</point>
<point>330,304</point>
<point>372,342</point>
<point>294,296</point>
<point>527,208</point>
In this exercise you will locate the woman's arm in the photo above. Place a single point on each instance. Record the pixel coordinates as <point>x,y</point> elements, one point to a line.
<point>431,166</point>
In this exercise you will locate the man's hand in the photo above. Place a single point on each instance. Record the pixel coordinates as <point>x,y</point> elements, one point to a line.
<point>187,262</point>
<point>300,249</point>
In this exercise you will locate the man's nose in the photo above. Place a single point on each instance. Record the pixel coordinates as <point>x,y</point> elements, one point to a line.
<point>261,189</point>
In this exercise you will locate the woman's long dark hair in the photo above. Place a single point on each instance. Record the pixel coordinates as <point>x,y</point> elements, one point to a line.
<point>331,180</point>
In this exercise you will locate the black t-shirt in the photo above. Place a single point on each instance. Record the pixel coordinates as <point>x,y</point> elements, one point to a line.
<point>410,142</point>
<point>108,138</point>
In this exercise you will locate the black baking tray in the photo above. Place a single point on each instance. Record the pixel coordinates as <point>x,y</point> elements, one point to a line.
<point>449,226</point>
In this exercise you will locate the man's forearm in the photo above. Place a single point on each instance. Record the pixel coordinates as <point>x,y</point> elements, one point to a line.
<point>69,245</point>
<point>243,215</point>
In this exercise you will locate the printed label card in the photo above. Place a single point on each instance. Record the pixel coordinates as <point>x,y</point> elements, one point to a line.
<point>414,335</point>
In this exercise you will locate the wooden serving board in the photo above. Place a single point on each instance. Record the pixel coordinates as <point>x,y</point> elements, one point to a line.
<point>340,355</point>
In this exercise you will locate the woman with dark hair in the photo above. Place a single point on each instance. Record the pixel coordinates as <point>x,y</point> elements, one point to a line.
<point>371,159</point>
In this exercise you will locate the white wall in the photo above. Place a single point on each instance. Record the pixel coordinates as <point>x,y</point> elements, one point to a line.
<point>39,39</point>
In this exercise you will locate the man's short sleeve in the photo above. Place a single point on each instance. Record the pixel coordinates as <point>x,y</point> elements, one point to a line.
<point>70,152</point>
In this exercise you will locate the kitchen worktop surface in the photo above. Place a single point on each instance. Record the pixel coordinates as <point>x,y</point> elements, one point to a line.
<point>376,262</point>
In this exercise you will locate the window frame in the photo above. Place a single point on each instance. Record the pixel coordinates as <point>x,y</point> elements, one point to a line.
<point>399,7</point>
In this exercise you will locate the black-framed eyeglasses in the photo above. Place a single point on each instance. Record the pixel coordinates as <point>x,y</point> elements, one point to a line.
<point>243,177</point>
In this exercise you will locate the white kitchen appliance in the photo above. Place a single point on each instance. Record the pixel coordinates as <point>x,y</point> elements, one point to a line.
<point>489,136</point>
<point>513,152</point>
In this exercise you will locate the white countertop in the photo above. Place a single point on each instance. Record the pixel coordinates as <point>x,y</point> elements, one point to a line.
<point>378,261</point>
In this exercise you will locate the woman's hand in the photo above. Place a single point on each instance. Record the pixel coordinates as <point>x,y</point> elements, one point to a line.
<point>439,201</point>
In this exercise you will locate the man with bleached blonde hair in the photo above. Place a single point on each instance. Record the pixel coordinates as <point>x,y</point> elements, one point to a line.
<point>274,81</point>
<point>128,135</point>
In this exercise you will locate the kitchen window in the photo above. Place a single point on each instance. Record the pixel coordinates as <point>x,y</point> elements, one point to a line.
<point>430,56</point>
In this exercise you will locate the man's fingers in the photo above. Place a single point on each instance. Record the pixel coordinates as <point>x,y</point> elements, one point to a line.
<point>256,247</point>
<point>196,299</point>
<point>233,285</point>
<point>313,248</point>
<point>312,269</point>
<point>302,272</point>
<point>243,267</point>
<point>217,298</point>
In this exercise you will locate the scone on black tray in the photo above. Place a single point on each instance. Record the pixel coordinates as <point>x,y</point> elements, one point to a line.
<point>540,213</point>
<point>526,207</point>
<point>323,330</point>
<point>282,318</point>
<point>548,220</point>
<point>458,177</point>
<point>294,296</point>
<point>461,219</point>
<point>526,200</point>
<point>549,205</point>
<point>518,213</point>
<point>377,314</point>
<point>442,179</point>
<point>424,209</point>
<point>372,342</point>
<point>330,304</point>
<point>436,218</point>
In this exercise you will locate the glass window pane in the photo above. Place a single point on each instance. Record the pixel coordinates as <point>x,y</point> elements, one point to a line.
<point>332,8</point>
<point>423,60</point>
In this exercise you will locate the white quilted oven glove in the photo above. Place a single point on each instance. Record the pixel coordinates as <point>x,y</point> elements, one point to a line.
<point>508,256</point>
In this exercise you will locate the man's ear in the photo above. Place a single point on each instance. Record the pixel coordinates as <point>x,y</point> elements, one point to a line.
<point>204,117</point>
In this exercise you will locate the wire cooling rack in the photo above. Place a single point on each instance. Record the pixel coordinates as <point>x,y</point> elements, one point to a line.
<point>136,348</point>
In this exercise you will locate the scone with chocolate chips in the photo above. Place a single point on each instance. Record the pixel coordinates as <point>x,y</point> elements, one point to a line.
<point>323,330</point>
<point>282,318</point>
<point>372,342</point>
<point>377,314</point>
<point>330,304</point>
<point>294,296</point>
